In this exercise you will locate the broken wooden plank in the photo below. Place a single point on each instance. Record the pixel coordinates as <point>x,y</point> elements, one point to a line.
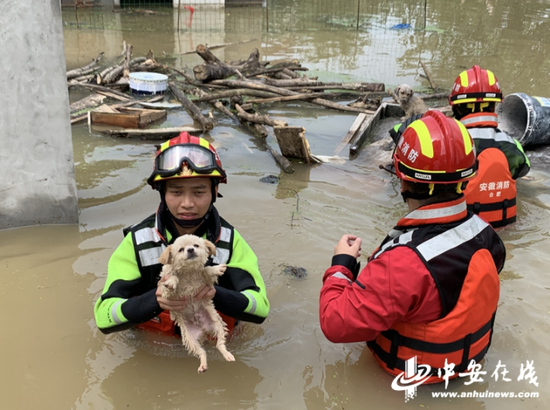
<point>195,111</point>
<point>351,132</point>
<point>146,117</point>
<point>366,129</point>
<point>114,119</point>
<point>293,143</point>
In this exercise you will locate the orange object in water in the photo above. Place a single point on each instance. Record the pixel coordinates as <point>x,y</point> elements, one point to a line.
<point>191,10</point>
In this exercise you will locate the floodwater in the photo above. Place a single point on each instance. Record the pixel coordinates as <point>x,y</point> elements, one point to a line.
<point>52,355</point>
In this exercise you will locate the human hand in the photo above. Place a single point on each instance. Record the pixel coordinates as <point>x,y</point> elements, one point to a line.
<point>349,245</point>
<point>205,292</point>
<point>171,303</point>
<point>180,303</point>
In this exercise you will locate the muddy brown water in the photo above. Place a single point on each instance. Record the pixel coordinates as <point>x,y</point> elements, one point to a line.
<point>52,355</point>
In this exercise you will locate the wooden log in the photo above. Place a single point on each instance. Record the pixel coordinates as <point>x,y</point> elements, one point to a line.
<point>258,119</point>
<point>216,69</point>
<point>138,60</point>
<point>282,91</point>
<point>304,82</point>
<point>290,73</point>
<point>357,87</point>
<point>214,46</point>
<point>282,76</point>
<point>251,64</point>
<point>84,78</point>
<point>89,68</point>
<point>276,70</point>
<point>255,129</point>
<point>283,162</point>
<point>429,75</point>
<point>287,98</point>
<point>112,75</point>
<point>238,91</point>
<point>208,72</point>
<point>435,96</point>
<point>102,74</point>
<point>98,88</point>
<point>195,112</point>
<point>126,64</point>
<point>113,95</point>
<point>261,130</point>
<point>90,101</point>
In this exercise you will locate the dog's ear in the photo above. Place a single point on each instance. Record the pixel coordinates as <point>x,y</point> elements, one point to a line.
<point>211,247</point>
<point>396,91</point>
<point>166,256</point>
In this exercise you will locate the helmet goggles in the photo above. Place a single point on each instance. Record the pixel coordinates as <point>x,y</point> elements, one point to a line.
<point>200,159</point>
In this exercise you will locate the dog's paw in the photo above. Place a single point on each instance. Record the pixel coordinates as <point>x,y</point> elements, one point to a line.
<point>229,357</point>
<point>171,283</point>
<point>202,369</point>
<point>222,268</point>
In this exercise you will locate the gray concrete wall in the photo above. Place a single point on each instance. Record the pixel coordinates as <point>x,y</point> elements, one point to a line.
<point>37,183</point>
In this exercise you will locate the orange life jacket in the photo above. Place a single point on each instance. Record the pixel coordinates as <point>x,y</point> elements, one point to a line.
<point>491,194</point>
<point>459,337</point>
<point>163,324</point>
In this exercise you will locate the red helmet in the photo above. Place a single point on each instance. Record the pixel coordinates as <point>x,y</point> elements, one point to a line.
<point>475,85</point>
<point>435,149</point>
<point>186,156</point>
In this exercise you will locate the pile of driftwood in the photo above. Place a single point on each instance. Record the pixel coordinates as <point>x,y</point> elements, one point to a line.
<point>241,90</point>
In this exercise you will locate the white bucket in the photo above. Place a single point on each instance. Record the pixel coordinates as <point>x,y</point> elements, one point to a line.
<point>148,83</point>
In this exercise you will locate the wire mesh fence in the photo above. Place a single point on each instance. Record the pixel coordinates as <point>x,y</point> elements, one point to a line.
<point>271,15</point>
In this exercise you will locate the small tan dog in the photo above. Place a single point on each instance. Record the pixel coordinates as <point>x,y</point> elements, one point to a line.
<point>184,268</point>
<point>410,103</point>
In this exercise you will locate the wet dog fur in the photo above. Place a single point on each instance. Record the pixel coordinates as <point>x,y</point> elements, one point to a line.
<point>183,264</point>
<point>409,102</point>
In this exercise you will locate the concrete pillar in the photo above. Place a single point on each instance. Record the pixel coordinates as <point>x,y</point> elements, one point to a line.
<point>37,182</point>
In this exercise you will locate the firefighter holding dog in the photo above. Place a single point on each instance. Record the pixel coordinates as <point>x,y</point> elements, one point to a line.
<point>492,194</point>
<point>430,290</point>
<point>187,172</point>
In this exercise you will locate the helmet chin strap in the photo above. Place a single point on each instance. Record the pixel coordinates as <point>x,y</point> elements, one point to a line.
<point>408,194</point>
<point>191,223</point>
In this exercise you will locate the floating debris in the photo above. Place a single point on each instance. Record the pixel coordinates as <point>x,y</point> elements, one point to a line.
<point>294,271</point>
<point>270,179</point>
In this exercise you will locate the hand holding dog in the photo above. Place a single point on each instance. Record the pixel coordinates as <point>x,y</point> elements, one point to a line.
<point>178,304</point>
<point>349,245</point>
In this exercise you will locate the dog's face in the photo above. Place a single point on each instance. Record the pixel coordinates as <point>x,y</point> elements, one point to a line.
<point>404,93</point>
<point>188,249</point>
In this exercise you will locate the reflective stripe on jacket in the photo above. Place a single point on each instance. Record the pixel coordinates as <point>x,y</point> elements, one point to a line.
<point>462,257</point>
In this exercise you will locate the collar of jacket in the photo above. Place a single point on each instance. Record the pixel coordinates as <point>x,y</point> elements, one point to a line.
<point>480,119</point>
<point>437,213</point>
